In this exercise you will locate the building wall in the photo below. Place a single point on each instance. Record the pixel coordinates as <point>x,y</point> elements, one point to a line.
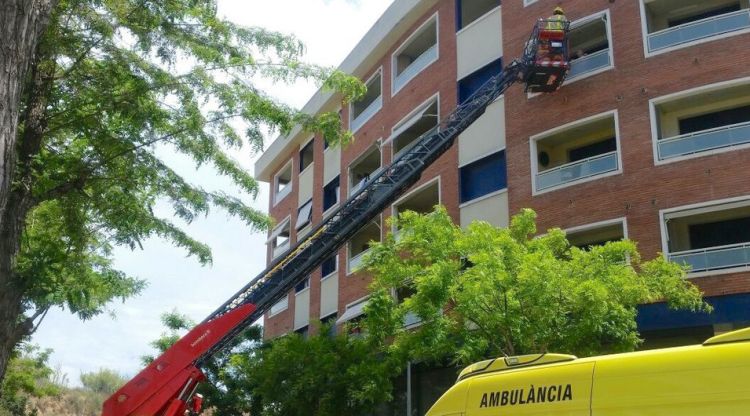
<point>643,189</point>
<point>638,194</point>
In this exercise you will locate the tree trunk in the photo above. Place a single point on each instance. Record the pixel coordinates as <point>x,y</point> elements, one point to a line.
<point>22,23</point>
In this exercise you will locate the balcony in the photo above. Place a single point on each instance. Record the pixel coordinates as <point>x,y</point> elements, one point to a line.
<point>355,263</point>
<point>575,171</point>
<point>673,23</point>
<point>366,167</point>
<point>429,56</point>
<point>714,258</point>
<point>416,53</point>
<point>363,110</point>
<point>702,141</point>
<point>710,238</point>
<point>366,114</point>
<point>360,243</point>
<point>706,120</point>
<point>589,45</point>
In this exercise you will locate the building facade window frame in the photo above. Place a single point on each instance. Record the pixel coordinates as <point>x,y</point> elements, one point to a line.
<point>335,270</point>
<point>355,123</point>
<point>288,188</point>
<point>416,32</point>
<point>645,35</point>
<point>697,209</point>
<point>420,108</point>
<point>308,145</point>
<point>586,120</point>
<point>604,14</point>
<point>335,205</point>
<point>697,91</point>
<point>275,232</point>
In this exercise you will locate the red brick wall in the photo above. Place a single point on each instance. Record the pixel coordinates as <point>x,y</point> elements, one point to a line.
<point>643,189</point>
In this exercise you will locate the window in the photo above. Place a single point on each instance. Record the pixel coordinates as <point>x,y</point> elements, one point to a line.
<point>528,2</point>
<point>362,110</point>
<point>411,319</point>
<point>364,168</point>
<point>469,11</point>
<point>279,306</point>
<point>710,237</point>
<point>472,83</point>
<point>304,284</point>
<point>331,194</point>
<point>577,152</point>
<point>306,155</point>
<point>282,183</point>
<point>424,120</point>
<point>329,266</point>
<point>598,234</point>
<point>590,52</point>
<point>707,120</point>
<point>360,244</point>
<point>304,213</point>
<point>279,238</point>
<point>483,177</point>
<point>414,55</point>
<point>352,315</point>
<point>671,24</point>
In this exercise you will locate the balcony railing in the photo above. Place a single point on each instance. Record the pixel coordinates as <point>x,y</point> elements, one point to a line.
<point>700,29</point>
<point>283,192</point>
<point>356,262</point>
<point>577,170</point>
<point>714,258</point>
<point>701,141</point>
<point>281,248</point>
<point>415,67</point>
<point>367,113</point>
<point>589,63</point>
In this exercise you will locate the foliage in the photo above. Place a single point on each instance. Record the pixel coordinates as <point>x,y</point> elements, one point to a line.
<point>320,375</point>
<point>104,381</point>
<point>112,82</point>
<point>486,291</point>
<point>225,391</point>
<point>28,375</point>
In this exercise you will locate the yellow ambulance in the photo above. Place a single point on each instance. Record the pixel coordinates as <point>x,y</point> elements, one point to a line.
<point>712,379</point>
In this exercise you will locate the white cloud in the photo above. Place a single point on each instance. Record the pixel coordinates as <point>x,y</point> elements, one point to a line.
<point>330,29</point>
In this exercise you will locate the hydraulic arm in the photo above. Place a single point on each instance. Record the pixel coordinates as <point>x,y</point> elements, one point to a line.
<point>165,387</point>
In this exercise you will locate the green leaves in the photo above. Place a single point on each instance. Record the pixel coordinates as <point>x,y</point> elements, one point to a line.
<point>129,77</point>
<point>485,292</point>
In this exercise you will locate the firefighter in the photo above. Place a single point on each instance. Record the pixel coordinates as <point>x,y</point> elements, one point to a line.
<point>558,20</point>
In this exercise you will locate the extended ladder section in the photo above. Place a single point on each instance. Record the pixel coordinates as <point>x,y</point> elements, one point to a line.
<point>323,242</point>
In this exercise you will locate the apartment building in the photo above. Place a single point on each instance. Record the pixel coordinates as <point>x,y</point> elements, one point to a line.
<point>648,139</point>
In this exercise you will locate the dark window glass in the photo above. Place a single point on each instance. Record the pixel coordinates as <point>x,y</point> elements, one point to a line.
<point>328,266</point>
<point>306,156</point>
<point>720,233</point>
<point>302,285</point>
<point>302,332</point>
<point>467,11</point>
<point>483,176</point>
<point>331,194</point>
<point>471,83</point>
<point>704,15</point>
<point>591,150</point>
<point>713,120</point>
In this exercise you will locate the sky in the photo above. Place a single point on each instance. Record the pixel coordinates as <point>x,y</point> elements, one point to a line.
<point>117,340</point>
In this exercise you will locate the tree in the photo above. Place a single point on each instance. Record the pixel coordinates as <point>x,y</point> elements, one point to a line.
<point>319,375</point>
<point>29,375</point>
<point>486,292</point>
<point>88,90</point>
<point>104,381</point>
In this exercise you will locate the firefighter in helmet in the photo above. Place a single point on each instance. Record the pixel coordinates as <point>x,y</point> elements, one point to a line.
<point>558,20</point>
